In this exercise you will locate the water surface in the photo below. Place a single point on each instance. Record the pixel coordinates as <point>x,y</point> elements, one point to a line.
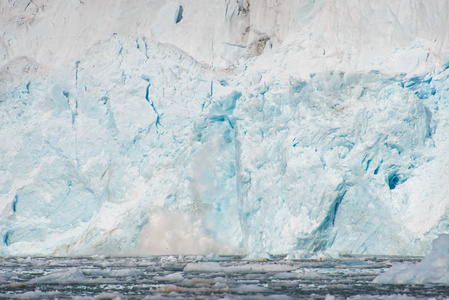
<point>196,277</point>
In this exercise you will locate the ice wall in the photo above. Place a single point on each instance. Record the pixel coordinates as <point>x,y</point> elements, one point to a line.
<point>251,127</point>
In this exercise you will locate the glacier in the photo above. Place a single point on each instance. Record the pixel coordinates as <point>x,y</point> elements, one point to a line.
<point>231,127</point>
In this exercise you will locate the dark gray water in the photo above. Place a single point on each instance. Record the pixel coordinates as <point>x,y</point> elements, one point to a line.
<point>194,277</point>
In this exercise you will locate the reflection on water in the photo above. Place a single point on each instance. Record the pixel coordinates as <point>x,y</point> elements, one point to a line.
<point>197,277</point>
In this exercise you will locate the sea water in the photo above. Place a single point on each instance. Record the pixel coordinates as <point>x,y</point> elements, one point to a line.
<point>199,277</point>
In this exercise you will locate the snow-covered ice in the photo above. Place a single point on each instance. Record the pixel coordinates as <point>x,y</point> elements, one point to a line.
<point>228,127</point>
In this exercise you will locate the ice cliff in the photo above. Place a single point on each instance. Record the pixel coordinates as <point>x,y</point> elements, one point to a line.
<point>251,127</point>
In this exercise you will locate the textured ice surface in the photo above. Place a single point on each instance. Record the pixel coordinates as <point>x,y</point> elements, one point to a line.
<point>434,268</point>
<point>69,276</point>
<point>149,127</point>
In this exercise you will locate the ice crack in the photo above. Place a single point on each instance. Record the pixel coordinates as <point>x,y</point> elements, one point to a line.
<point>147,97</point>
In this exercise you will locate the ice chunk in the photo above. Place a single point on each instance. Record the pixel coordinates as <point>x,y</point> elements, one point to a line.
<point>174,277</point>
<point>214,267</point>
<point>248,289</point>
<point>72,275</point>
<point>434,268</point>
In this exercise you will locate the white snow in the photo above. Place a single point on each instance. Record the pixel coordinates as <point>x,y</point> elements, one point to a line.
<point>229,127</point>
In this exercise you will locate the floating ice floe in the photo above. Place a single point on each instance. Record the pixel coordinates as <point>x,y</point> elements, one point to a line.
<point>433,268</point>
<point>214,267</point>
<point>71,275</point>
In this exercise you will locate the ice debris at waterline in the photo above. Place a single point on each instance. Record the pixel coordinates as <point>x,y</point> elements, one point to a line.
<point>434,268</point>
<point>186,278</point>
<point>289,128</point>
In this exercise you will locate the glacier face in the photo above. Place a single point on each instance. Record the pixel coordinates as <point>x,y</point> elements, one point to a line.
<point>265,132</point>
